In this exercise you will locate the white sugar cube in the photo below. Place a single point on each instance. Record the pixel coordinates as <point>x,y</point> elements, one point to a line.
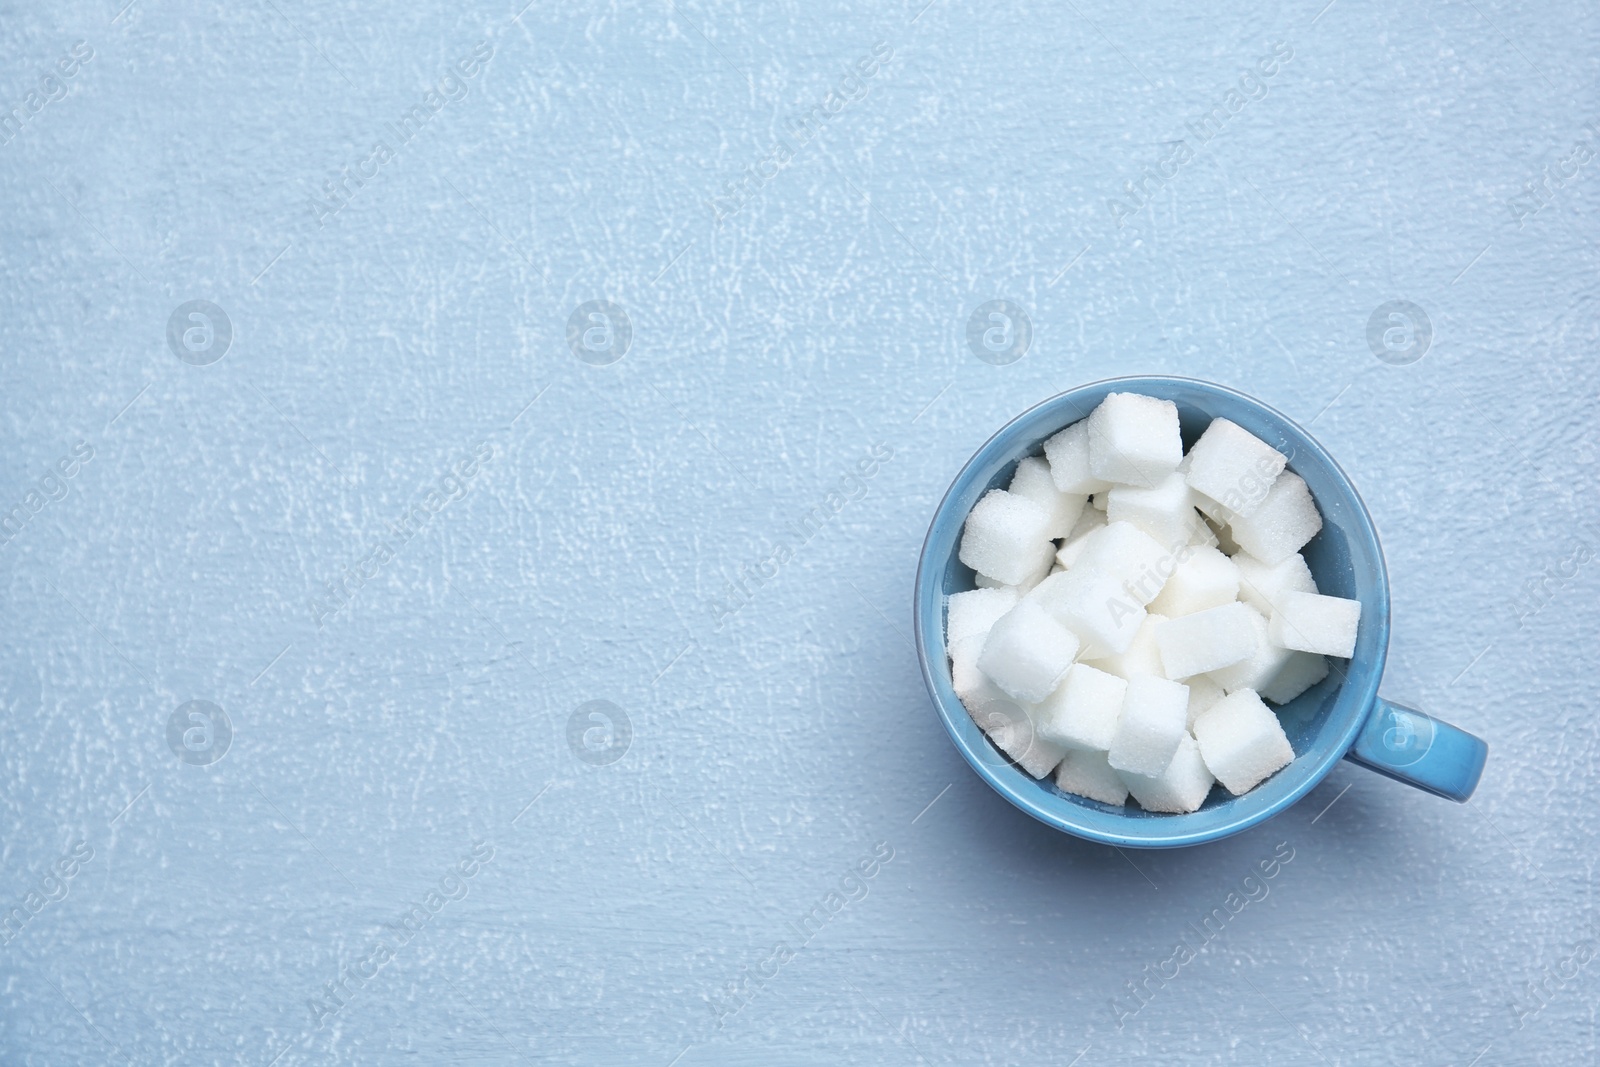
<point>1083,711</point>
<point>1207,640</point>
<point>1093,605</point>
<point>1182,787</point>
<point>1234,467</point>
<point>1032,481</point>
<point>1242,742</point>
<point>1003,535</point>
<point>971,684</point>
<point>1298,672</point>
<point>1131,556</point>
<point>1259,671</point>
<point>1010,727</point>
<point>1043,561</point>
<point>1281,525</point>
<point>1204,578</point>
<point>1134,440</point>
<point>1150,727</point>
<point>1101,500</point>
<point>1165,510</point>
<point>975,611</point>
<point>1027,652</point>
<point>1261,585</point>
<point>1311,622</point>
<point>1203,692</point>
<point>1141,657</point>
<point>1088,774</point>
<point>1040,758</point>
<point>1068,455</point>
<point>1076,541</point>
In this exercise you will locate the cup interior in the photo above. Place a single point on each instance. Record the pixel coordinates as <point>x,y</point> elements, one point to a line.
<point>1344,558</point>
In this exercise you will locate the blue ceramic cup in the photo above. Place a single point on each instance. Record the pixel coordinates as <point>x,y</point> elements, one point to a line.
<point>1342,717</point>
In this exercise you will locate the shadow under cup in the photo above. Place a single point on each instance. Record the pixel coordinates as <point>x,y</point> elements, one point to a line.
<point>1344,558</point>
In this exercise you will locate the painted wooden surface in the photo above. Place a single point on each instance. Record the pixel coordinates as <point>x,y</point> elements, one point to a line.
<point>401,509</point>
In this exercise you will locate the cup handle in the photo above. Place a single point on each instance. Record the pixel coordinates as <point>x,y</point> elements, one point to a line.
<point>1413,747</point>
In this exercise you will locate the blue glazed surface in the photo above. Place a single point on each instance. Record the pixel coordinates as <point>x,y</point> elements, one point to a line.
<point>1411,746</point>
<point>1344,557</point>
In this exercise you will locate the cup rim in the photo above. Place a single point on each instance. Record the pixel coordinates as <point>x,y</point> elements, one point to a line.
<point>1359,690</point>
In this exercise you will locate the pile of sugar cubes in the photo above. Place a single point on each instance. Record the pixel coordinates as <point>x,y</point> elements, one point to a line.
<point>1137,608</point>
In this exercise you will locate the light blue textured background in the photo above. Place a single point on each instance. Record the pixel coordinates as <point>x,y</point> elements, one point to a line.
<point>591,557</point>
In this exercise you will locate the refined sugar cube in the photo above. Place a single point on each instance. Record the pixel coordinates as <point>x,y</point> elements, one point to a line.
<point>1068,455</point>
<point>1311,622</point>
<point>1281,525</point>
<point>1204,578</point>
<point>1260,670</point>
<point>1134,440</point>
<point>1182,787</point>
<point>1011,729</point>
<point>1040,758</point>
<point>971,684</point>
<point>1027,652</point>
<point>1150,727</point>
<point>1234,467</point>
<point>1100,500</point>
<point>1298,672</point>
<point>1131,556</point>
<point>1207,640</point>
<point>1087,774</point>
<point>1093,605</point>
<point>1141,657</point>
<point>1076,541</point>
<point>1242,741</point>
<point>1165,511</point>
<point>1002,536</point>
<point>1043,563</point>
<point>975,611</point>
<point>1261,585</point>
<point>1083,712</point>
<point>1044,559</point>
<point>1033,481</point>
<point>1203,692</point>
